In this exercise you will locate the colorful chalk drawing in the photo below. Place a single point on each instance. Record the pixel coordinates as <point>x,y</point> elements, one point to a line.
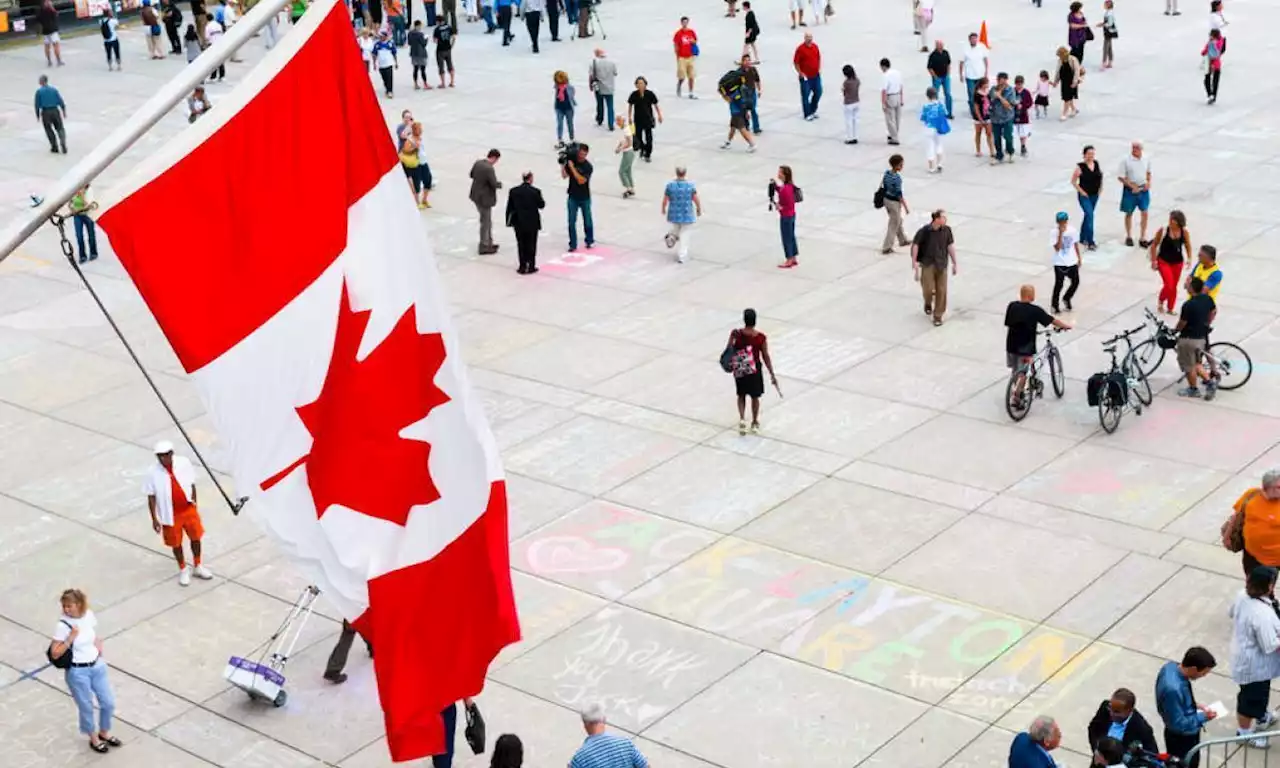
<point>938,651</point>
<point>607,549</point>
<point>579,259</point>
<point>745,591</point>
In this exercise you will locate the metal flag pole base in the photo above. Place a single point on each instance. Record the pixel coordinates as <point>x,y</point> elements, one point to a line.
<point>60,222</point>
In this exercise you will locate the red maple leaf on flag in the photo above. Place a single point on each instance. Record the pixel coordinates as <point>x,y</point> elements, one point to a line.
<point>358,458</point>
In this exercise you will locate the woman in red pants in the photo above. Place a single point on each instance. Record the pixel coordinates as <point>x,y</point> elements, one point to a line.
<point>1170,249</point>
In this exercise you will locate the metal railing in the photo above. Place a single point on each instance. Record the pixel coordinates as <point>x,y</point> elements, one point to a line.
<point>1234,751</point>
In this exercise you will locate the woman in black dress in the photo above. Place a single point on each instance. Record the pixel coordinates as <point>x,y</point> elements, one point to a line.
<point>1068,76</point>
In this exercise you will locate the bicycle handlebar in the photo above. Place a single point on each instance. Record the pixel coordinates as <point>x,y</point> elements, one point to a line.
<point>1125,334</point>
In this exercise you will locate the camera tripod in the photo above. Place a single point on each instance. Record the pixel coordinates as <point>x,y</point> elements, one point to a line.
<point>593,20</point>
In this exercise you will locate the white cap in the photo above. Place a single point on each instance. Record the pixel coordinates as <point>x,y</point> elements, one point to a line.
<point>164,446</point>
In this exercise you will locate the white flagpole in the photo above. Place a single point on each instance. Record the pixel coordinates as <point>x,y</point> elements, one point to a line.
<point>150,113</point>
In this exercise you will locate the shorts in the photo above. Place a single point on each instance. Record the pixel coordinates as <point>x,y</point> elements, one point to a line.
<point>752,37</point>
<point>1253,698</point>
<point>1130,200</point>
<point>737,119</point>
<point>155,30</point>
<point>1189,353</point>
<point>1023,130</point>
<point>795,5</point>
<point>751,385</point>
<point>52,38</point>
<point>1012,360</point>
<point>444,61</point>
<point>685,69</point>
<point>188,522</point>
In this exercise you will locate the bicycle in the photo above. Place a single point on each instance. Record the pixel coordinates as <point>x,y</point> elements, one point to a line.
<point>1025,384</point>
<point>1231,365</point>
<point>1121,385</point>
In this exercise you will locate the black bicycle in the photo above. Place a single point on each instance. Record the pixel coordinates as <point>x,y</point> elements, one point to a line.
<point>1025,384</point>
<point>1228,363</point>
<point>1123,387</point>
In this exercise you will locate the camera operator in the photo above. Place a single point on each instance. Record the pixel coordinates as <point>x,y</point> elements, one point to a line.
<point>575,167</point>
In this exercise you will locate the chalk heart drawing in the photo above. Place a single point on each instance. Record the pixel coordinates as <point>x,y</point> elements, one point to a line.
<point>573,554</point>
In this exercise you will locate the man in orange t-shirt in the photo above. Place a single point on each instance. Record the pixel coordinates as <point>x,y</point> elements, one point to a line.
<point>1261,507</point>
<point>170,486</point>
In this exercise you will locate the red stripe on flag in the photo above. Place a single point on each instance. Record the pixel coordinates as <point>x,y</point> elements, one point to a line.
<point>227,236</point>
<point>437,625</point>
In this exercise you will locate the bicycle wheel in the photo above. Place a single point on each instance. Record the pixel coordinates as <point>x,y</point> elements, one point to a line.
<point>1141,385</point>
<point>1056,373</point>
<point>1149,355</point>
<point>1018,404</point>
<point>1234,365</point>
<point>1110,408</point>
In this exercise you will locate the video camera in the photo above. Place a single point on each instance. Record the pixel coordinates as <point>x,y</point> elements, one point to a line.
<point>569,153</point>
<point>1141,758</point>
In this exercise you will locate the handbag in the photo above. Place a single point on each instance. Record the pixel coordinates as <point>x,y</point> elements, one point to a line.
<point>1233,527</point>
<point>474,732</point>
<point>799,194</point>
<point>409,159</point>
<point>878,198</point>
<point>693,49</point>
<point>1088,33</point>
<point>63,661</point>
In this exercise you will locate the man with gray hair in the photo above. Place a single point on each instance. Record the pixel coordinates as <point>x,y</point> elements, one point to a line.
<point>602,749</point>
<point>603,76</point>
<point>1031,748</point>
<point>1256,509</point>
<point>681,206</point>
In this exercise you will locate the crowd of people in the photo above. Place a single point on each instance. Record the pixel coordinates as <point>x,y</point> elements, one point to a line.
<point>1000,110</point>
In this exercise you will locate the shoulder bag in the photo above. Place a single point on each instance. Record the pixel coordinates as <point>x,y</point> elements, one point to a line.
<point>63,661</point>
<point>1233,527</point>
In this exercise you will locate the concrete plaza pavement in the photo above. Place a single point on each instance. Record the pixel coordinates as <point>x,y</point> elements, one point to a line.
<point>891,574</point>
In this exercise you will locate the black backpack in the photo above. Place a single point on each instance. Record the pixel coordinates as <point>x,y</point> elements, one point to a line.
<point>105,28</point>
<point>63,661</point>
<point>733,85</point>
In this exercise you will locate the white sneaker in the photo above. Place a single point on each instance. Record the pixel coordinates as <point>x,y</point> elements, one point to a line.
<point>184,576</point>
<point>1260,743</point>
<point>203,573</point>
<point>681,259</point>
<point>1266,721</point>
<point>751,148</point>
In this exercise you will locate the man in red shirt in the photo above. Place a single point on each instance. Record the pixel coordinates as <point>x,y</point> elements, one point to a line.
<point>808,64</point>
<point>686,45</point>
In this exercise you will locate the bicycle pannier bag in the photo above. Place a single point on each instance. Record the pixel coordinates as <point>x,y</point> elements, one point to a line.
<point>1093,387</point>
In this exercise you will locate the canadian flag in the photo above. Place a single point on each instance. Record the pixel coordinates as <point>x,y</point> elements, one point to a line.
<point>278,247</point>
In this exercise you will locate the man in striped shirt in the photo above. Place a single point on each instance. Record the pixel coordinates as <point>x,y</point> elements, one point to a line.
<point>604,750</point>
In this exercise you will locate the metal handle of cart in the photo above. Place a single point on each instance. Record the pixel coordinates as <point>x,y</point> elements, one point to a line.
<point>265,681</point>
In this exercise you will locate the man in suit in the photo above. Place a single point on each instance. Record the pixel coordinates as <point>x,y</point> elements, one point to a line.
<point>523,204</point>
<point>1118,718</point>
<point>1031,748</point>
<point>484,193</point>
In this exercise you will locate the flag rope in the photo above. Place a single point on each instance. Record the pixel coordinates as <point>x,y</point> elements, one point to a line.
<point>60,222</point>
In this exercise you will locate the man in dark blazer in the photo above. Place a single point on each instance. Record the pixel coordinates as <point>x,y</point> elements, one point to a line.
<point>523,204</point>
<point>1118,718</point>
<point>1031,748</point>
<point>484,193</point>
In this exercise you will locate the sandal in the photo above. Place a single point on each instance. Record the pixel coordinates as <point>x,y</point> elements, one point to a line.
<point>99,747</point>
<point>110,741</point>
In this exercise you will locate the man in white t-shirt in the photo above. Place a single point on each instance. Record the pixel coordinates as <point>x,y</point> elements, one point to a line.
<point>891,100</point>
<point>110,40</point>
<point>170,487</point>
<point>1066,261</point>
<point>1135,193</point>
<point>975,66</point>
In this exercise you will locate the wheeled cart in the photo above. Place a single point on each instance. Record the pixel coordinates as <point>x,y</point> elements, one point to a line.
<point>262,677</point>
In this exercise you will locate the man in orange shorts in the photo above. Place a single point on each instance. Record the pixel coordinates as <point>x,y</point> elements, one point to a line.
<point>170,486</point>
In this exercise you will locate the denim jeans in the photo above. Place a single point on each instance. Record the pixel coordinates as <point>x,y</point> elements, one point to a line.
<point>1003,135</point>
<point>943,86</point>
<point>971,86</point>
<point>85,684</point>
<point>564,116</point>
<point>487,14</point>
<point>787,224</point>
<point>82,223</point>
<point>450,717</point>
<point>1087,205</point>
<point>810,94</point>
<point>604,105</point>
<point>399,35</point>
<point>588,227</point>
<point>431,14</point>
